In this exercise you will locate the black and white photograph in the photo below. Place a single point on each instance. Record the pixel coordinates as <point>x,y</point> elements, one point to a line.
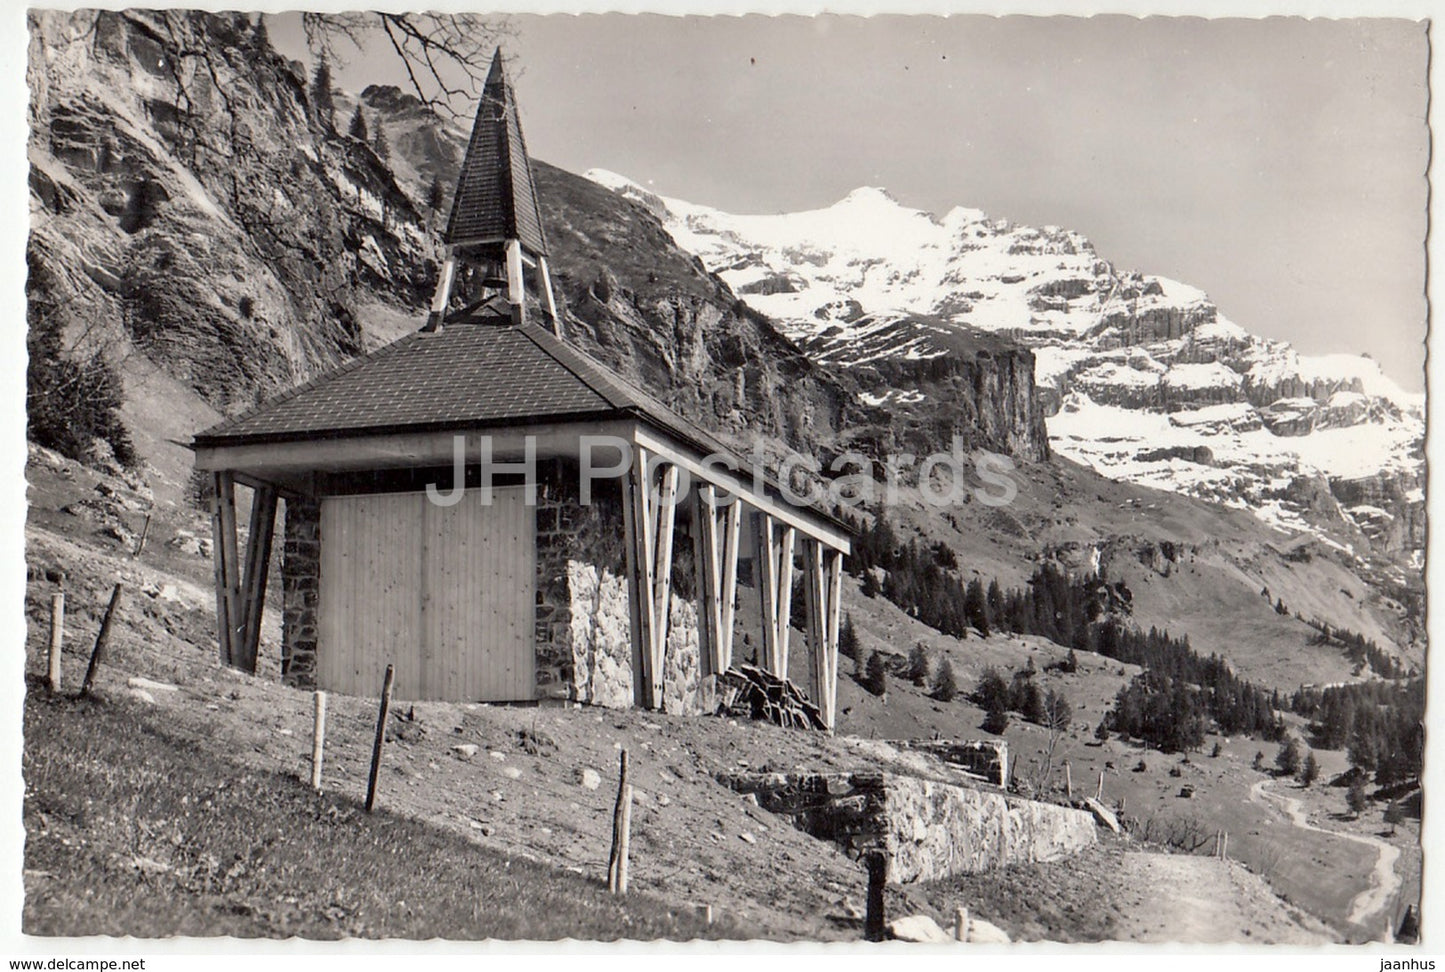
<point>914,482</point>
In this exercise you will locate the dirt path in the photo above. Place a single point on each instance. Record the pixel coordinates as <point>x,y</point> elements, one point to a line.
<point>1384,882</point>
<point>1202,899</point>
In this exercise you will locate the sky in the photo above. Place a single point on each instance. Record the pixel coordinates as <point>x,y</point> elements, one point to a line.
<point>1277,164</point>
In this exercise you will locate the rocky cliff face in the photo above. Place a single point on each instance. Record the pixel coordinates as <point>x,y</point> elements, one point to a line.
<point>188,201</point>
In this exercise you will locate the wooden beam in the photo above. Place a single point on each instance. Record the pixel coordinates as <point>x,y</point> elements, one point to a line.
<point>218,560</point>
<point>228,580</point>
<point>443,293</point>
<point>706,581</point>
<point>253,586</point>
<point>545,278</point>
<point>765,567</point>
<point>785,597</point>
<point>727,601</point>
<point>833,615</point>
<point>633,518</point>
<point>403,449</point>
<point>516,285</point>
<point>810,522</point>
<point>813,589</point>
<point>666,513</point>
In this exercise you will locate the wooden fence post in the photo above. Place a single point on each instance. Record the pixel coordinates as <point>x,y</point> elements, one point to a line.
<point>57,639</point>
<point>101,641</point>
<point>318,737</point>
<point>960,925</point>
<point>873,921</point>
<point>621,831</point>
<point>380,736</point>
<point>145,531</point>
<point>1099,793</point>
<point>1068,782</point>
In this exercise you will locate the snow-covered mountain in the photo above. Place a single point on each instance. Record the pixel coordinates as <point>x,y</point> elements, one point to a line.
<point>1142,377</point>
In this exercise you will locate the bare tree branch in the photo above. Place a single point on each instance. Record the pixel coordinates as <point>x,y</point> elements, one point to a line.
<point>445,56</point>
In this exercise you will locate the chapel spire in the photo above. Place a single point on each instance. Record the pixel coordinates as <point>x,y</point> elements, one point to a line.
<point>495,225</point>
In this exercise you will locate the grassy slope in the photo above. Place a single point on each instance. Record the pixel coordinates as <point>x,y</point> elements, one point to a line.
<point>133,830</point>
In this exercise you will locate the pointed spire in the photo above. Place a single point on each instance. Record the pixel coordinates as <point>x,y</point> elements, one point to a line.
<point>496,197</point>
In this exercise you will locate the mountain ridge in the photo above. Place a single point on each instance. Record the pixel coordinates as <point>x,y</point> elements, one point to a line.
<point>1140,377</point>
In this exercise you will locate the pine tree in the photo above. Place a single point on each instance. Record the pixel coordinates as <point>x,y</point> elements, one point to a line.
<point>379,144</point>
<point>995,720</point>
<point>434,194</point>
<point>1310,771</point>
<point>1288,757</point>
<point>945,688</point>
<point>992,691</point>
<point>848,645</point>
<point>1102,732</point>
<point>870,584</point>
<point>1355,796</point>
<point>357,128</point>
<point>875,677</point>
<point>321,100</point>
<point>918,665</point>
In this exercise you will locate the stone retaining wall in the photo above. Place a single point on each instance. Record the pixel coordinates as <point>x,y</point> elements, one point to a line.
<point>926,829</point>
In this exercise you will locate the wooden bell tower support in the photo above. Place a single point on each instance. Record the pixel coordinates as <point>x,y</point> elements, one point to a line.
<point>495,227</point>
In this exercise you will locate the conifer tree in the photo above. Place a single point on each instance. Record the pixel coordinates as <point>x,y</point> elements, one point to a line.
<point>379,144</point>
<point>321,101</point>
<point>945,688</point>
<point>875,677</point>
<point>357,128</point>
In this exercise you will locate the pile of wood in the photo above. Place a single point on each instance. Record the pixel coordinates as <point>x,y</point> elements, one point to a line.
<point>748,692</point>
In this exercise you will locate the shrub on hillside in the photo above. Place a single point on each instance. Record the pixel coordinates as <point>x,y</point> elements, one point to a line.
<point>71,403</point>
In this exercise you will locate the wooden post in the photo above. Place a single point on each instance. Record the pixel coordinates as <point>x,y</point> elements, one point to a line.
<point>1099,793</point>
<point>732,524</point>
<point>1225,852</point>
<point>380,736</point>
<point>516,285</point>
<point>765,575</point>
<point>873,922</point>
<point>57,638</point>
<point>144,532</point>
<point>834,617</point>
<point>785,598</point>
<point>1068,782</point>
<point>253,585</point>
<point>101,641</point>
<point>960,924</point>
<point>621,831</point>
<point>318,737</point>
<point>666,508</point>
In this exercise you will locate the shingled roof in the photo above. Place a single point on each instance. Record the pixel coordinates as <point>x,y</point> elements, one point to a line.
<point>496,197</point>
<point>474,375</point>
